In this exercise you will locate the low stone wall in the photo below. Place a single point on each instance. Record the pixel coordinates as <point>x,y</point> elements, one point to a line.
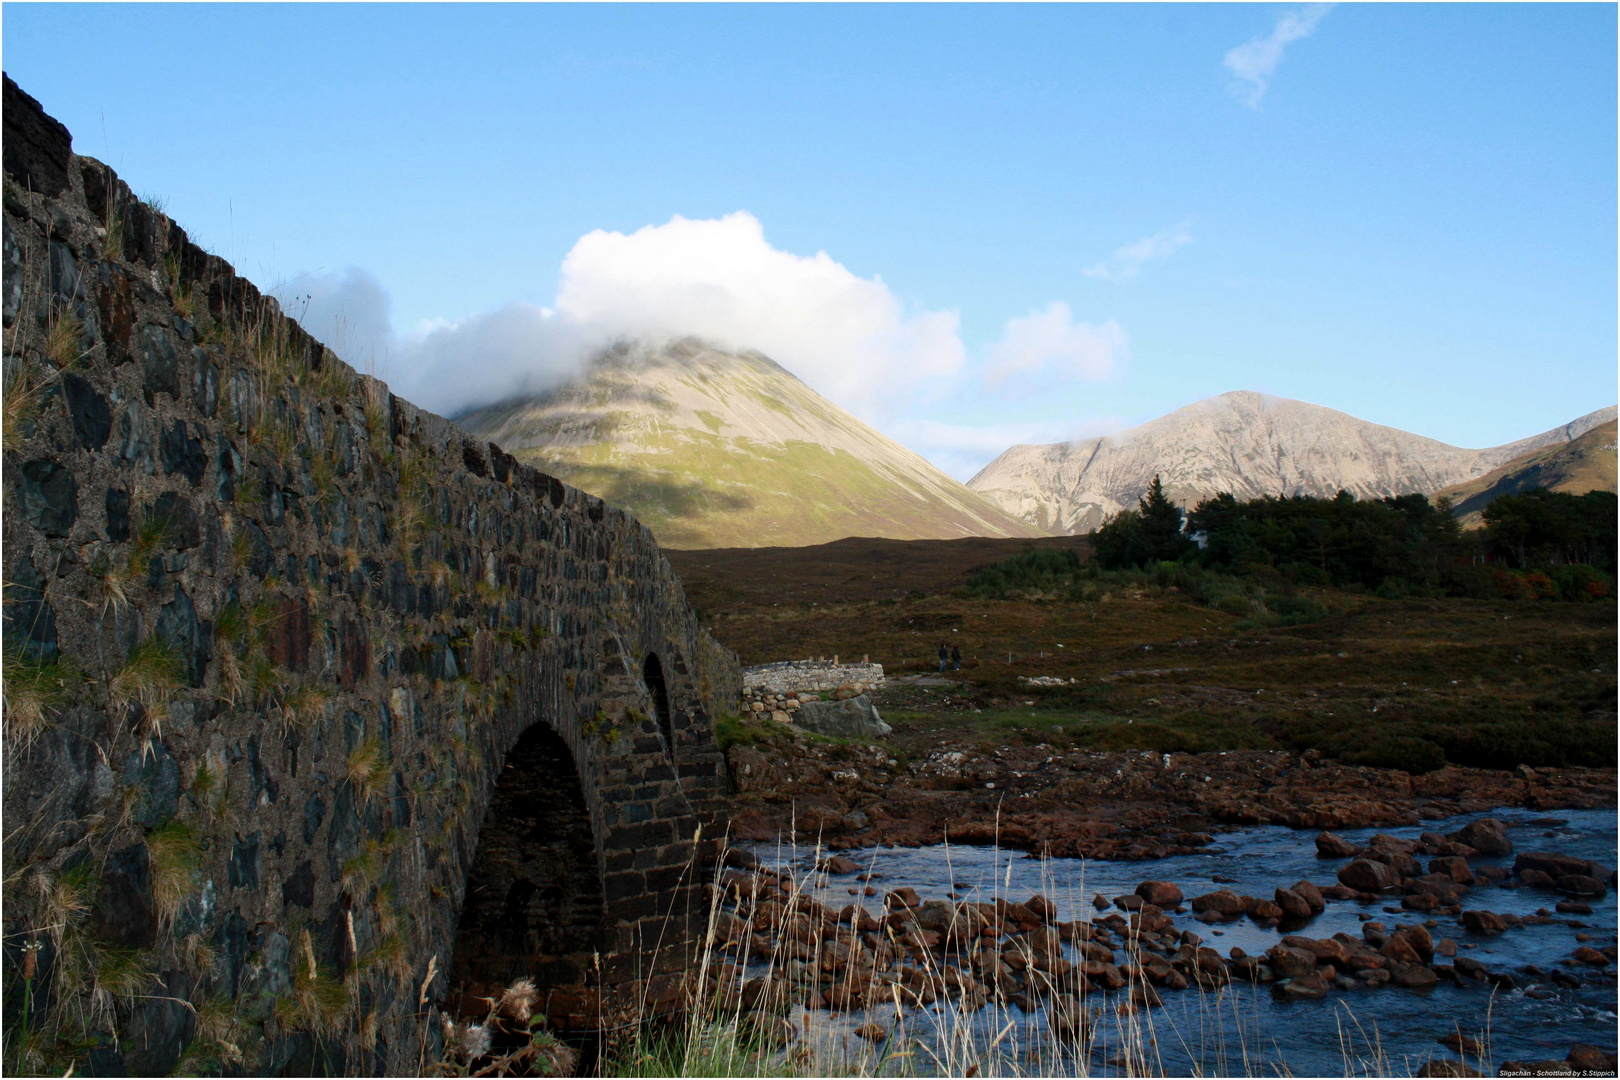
<point>775,689</point>
<point>792,676</point>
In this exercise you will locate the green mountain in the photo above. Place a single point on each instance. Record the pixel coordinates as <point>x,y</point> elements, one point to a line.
<point>712,448</point>
<point>1588,462</point>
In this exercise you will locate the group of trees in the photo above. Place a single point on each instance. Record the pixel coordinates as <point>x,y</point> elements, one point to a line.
<point>1396,545</point>
<point>1543,529</point>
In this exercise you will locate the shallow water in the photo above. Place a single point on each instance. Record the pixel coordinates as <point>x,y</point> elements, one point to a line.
<point>1244,1029</point>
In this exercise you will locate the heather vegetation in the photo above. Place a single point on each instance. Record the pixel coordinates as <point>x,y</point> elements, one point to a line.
<point>1180,656</point>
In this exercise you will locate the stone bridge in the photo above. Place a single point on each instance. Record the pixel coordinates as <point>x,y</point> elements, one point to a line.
<point>320,716</point>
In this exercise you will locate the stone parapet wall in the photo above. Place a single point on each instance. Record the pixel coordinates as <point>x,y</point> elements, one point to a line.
<point>270,634</point>
<point>792,676</point>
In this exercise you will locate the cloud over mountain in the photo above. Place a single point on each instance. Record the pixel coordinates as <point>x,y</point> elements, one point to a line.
<point>851,338</point>
<point>720,280</point>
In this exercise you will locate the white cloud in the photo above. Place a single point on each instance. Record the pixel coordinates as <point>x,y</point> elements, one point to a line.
<point>350,312</point>
<point>1253,63</point>
<point>1051,339</point>
<point>849,337</point>
<point>518,348</point>
<point>1128,260</point>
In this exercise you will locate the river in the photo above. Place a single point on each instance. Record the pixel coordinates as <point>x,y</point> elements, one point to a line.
<point>1244,1029</point>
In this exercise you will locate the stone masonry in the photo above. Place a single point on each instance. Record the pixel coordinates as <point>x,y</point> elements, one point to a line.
<point>776,690</point>
<point>288,661</point>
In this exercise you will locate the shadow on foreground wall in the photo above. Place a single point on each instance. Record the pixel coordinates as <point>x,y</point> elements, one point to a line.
<point>291,668</point>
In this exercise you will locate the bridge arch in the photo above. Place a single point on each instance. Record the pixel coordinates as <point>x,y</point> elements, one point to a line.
<point>587,859</point>
<point>533,904</point>
<point>652,677</point>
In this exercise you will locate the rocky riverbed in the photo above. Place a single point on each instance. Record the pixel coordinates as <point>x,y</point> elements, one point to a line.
<point>1102,805</point>
<point>1474,945</point>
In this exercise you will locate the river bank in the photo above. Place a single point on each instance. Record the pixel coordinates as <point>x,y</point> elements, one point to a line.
<point>1270,949</point>
<point>1132,805</point>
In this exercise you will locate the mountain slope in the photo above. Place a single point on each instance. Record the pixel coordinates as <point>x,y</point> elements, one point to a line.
<point>1246,443</point>
<point>1586,463</point>
<point>719,449</point>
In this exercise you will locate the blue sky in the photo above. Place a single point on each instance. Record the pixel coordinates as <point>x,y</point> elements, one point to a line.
<point>1038,221</point>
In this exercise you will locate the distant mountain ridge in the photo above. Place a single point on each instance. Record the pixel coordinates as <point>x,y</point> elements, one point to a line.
<point>1588,462</point>
<point>1245,443</point>
<point>712,448</point>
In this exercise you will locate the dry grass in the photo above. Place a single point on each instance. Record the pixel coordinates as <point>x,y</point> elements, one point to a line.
<point>64,339</point>
<point>151,677</point>
<point>317,1001</point>
<point>180,293</point>
<point>367,771</point>
<point>245,672</point>
<point>62,900</point>
<point>305,705</point>
<point>35,691</point>
<point>21,403</point>
<point>24,390</point>
<point>112,240</point>
<point>333,380</point>
<point>176,860</point>
<point>377,408</point>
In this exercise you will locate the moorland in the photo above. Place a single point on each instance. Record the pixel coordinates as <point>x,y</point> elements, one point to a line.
<point>1121,715</point>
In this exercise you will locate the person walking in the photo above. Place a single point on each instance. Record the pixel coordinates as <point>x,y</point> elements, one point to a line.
<point>956,657</point>
<point>944,656</point>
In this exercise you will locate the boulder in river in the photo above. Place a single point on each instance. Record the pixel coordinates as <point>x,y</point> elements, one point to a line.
<point>903,897</point>
<point>1159,893</point>
<point>1553,864</point>
<point>1266,911</point>
<point>1581,885</point>
<point>1313,896</point>
<point>1454,867</point>
<point>1485,836</point>
<point>1309,987</point>
<point>1480,921</point>
<point>1420,940</point>
<point>1331,846</point>
<point>1413,976</point>
<point>1589,956</point>
<point>1222,902</point>
<point>1289,962</point>
<point>1365,875</point>
<point>1293,905</point>
<point>1591,1059</point>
